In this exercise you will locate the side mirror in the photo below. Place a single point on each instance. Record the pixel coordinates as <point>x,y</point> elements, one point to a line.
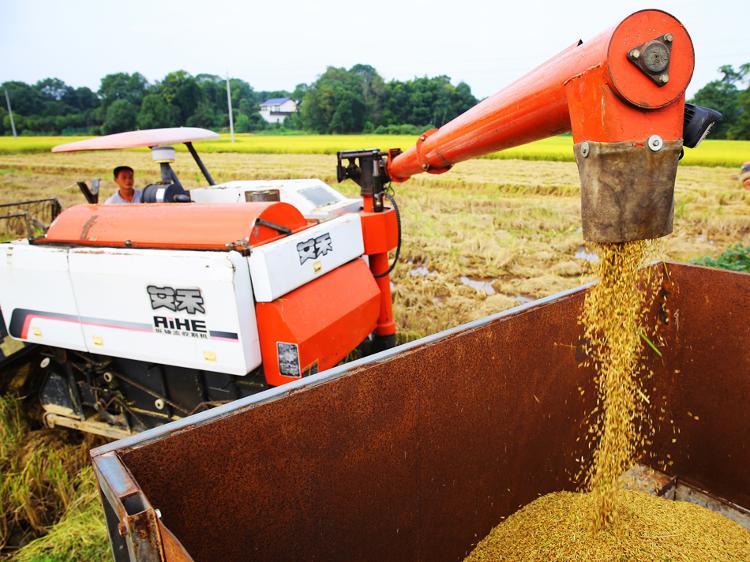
<point>90,193</point>
<point>697,124</point>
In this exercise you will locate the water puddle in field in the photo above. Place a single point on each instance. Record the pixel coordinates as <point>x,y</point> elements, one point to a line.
<point>583,254</point>
<point>420,271</point>
<point>478,284</point>
<point>702,239</point>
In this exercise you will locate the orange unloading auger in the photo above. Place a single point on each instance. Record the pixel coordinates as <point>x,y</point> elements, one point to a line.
<point>621,94</point>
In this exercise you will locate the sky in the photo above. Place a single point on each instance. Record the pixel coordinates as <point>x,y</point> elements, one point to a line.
<point>276,45</point>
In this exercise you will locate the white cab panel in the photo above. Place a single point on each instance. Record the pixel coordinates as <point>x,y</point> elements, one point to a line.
<point>288,263</point>
<point>37,297</point>
<point>314,198</point>
<point>184,308</point>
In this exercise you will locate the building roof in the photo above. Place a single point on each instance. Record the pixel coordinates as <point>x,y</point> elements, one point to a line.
<point>275,101</point>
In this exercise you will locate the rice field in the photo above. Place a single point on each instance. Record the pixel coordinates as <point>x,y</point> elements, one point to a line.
<point>559,149</point>
<point>491,234</point>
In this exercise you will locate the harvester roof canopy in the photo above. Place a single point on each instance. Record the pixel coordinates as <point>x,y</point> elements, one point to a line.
<point>136,139</point>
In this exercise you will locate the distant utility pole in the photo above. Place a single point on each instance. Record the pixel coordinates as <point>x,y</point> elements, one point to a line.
<point>229,104</point>
<point>10,113</point>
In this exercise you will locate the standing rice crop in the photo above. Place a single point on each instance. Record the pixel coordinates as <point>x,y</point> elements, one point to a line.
<point>49,508</point>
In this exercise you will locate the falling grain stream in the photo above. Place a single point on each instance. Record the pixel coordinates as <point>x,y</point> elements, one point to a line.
<point>604,521</point>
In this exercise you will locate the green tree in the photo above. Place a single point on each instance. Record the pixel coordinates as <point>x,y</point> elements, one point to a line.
<point>248,123</point>
<point>24,99</point>
<point>740,129</point>
<point>120,116</point>
<point>181,90</point>
<point>299,92</point>
<point>53,89</point>
<point>213,89</point>
<point>724,96</point>
<point>205,115</point>
<point>294,121</point>
<point>424,101</point>
<point>122,86</point>
<point>212,109</point>
<point>334,103</point>
<point>372,87</point>
<point>82,99</point>
<point>247,118</point>
<point>349,115</point>
<point>242,123</point>
<point>156,113</point>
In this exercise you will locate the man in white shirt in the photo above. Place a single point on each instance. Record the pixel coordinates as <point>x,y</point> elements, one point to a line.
<point>125,194</point>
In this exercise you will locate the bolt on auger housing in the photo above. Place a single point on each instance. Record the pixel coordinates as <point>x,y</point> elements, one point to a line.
<point>622,95</point>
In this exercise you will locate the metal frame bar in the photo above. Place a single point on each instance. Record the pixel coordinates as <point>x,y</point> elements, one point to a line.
<point>131,520</point>
<point>201,165</point>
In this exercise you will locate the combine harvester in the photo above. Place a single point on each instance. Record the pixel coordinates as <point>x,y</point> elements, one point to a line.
<point>136,315</point>
<point>417,452</point>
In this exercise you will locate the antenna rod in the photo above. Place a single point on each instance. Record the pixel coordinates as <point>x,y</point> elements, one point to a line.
<point>229,104</point>
<point>10,113</point>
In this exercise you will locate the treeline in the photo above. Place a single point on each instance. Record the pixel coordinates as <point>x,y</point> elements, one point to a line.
<point>731,96</point>
<point>339,101</point>
<point>359,100</point>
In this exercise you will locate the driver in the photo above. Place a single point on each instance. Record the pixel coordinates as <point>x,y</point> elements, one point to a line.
<point>125,193</point>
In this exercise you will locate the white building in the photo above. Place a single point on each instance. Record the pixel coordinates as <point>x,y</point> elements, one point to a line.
<point>276,110</point>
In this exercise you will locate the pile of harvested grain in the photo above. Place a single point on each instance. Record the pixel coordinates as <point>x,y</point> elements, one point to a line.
<point>614,324</point>
<point>558,527</point>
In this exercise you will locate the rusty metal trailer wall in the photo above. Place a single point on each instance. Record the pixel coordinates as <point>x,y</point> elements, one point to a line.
<point>416,453</point>
<point>704,372</point>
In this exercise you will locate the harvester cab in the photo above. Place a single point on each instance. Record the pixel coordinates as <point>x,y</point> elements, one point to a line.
<point>136,315</point>
<point>315,199</point>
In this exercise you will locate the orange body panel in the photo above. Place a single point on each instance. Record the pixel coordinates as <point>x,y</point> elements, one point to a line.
<point>379,231</point>
<point>173,225</point>
<point>627,103</point>
<point>379,264</point>
<point>380,234</point>
<point>324,319</point>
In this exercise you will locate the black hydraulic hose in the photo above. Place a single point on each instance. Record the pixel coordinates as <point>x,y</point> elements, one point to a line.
<point>398,247</point>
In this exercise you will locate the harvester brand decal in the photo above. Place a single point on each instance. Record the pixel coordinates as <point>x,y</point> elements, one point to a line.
<point>176,300</point>
<point>288,355</point>
<point>22,318</point>
<point>180,327</point>
<point>314,248</point>
<point>188,301</point>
